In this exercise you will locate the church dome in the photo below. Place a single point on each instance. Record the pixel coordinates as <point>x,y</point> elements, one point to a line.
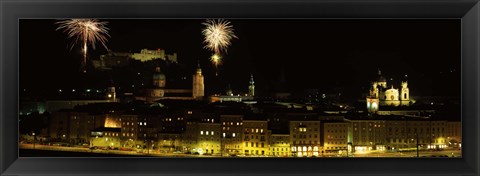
<point>158,74</point>
<point>382,79</point>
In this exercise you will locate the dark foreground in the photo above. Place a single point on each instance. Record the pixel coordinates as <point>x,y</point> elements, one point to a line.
<point>52,153</point>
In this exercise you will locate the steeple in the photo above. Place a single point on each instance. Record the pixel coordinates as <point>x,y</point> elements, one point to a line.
<point>229,91</point>
<point>199,69</point>
<point>251,87</point>
<point>251,80</point>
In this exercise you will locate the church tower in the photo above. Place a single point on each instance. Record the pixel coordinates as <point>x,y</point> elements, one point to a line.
<point>198,86</point>
<point>159,79</point>
<point>405,94</point>
<point>251,87</point>
<point>381,80</point>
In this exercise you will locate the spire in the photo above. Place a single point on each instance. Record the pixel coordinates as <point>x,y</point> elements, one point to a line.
<point>251,87</point>
<point>379,72</point>
<point>251,79</point>
<point>111,83</point>
<point>199,69</point>
<point>229,91</point>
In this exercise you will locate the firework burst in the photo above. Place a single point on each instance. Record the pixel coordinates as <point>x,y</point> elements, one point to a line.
<point>85,31</point>
<point>217,35</point>
<point>216,60</point>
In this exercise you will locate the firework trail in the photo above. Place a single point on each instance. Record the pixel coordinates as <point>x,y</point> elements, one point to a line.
<point>85,31</point>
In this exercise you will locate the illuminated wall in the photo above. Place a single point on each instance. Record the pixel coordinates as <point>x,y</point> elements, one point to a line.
<point>305,138</point>
<point>112,122</point>
<point>232,133</point>
<point>279,145</point>
<point>255,138</point>
<point>147,55</point>
<point>335,136</point>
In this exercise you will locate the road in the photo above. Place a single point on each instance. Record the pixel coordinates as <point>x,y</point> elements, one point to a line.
<point>456,153</point>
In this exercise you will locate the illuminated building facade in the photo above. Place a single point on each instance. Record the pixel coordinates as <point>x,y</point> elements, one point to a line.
<point>337,137</point>
<point>255,138</point>
<point>106,138</point>
<point>203,137</point>
<point>454,133</point>
<point>232,134</point>
<point>279,145</point>
<point>305,138</point>
<point>169,142</point>
<point>70,126</point>
<point>407,134</point>
<point>129,130</point>
<point>368,135</point>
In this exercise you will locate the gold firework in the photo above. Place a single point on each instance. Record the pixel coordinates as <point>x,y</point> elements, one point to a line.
<point>216,60</point>
<point>88,31</point>
<point>217,35</point>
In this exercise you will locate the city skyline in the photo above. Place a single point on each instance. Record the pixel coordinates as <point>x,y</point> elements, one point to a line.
<point>268,49</point>
<point>240,88</point>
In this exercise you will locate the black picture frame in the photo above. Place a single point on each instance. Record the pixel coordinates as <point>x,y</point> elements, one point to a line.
<point>11,11</point>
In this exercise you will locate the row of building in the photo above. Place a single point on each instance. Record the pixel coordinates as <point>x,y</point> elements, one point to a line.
<point>191,131</point>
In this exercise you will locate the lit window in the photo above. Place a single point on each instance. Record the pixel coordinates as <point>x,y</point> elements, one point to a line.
<point>238,123</point>
<point>201,132</point>
<point>261,130</point>
<point>256,130</point>
<point>145,123</point>
<point>233,134</point>
<point>206,133</point>
<point>223,134</point>
<point>212,132</point>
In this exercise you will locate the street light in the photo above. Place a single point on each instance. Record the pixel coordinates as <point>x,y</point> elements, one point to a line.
<point>416,135</point>
<point>33,140</point>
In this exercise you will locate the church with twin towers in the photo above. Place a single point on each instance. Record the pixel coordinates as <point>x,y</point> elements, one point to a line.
<point>383,94</point>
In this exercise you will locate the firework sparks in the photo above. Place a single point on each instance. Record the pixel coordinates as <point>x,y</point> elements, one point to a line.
<point>87,31</point>
<point>217,35</point>
<point>216,60</point>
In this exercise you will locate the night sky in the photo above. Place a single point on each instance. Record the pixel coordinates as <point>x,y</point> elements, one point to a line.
<point>320,54</point>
